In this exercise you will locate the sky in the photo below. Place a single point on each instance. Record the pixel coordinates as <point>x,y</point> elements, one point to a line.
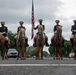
<point>13,11</point>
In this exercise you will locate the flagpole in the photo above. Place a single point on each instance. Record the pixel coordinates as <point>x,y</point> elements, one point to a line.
<point>32,21</point>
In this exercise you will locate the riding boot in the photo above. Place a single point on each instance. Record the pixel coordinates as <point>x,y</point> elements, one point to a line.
<point>71,40</point>
<point>34,42</point>
<point>26,40</point>
<point>46,41</point>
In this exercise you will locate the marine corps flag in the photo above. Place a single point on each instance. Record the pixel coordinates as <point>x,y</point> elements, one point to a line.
<point>32,21</point>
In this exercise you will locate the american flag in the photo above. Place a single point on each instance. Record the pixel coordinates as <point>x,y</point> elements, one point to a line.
<point>33,21</point>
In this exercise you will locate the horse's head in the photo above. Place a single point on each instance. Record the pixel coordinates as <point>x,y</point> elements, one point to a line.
<point>40,29</point>
<point>21,37</point>
<point>59,30</point>
<point>22,32</point>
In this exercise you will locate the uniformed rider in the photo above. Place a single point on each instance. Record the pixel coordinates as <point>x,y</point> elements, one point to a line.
<point>73,30</point>
<point>55,31</point>
<point>37,27</point>
<point>4,32</point>
<point>21,26</point>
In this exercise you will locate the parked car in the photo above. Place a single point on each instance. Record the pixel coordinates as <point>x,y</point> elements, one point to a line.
<point>71,55</point>
<point>12,53</point>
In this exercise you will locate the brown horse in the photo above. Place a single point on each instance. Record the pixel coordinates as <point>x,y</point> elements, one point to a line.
<point>3,48</point>
<point>58,43</point>
<point>40,42</point>
<point>74,46</point>
<point>20,42</point>
<point>6,48</point>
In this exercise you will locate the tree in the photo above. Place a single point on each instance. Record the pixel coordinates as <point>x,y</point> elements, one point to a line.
<point>51,50</point>
<point>67,48</point>
<point>11,37</point>
<point>33,52</point>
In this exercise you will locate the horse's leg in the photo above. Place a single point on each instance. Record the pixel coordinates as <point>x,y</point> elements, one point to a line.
<point>60,53</point>
<point>42,48</point>
<point>75,56</point>
<point>42,53</point>
<point>37,55</point>
<point>21,53</point>
<point>25,52</point>
<point>54,53</point>
<point>74,53</point>
<point>57,52</point>
<point>6,51</point>
<point>18,54</point>
<point>2,53</point>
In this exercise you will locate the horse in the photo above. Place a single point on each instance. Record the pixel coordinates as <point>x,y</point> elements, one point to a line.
<point>3,48</point>
<point>7,47</point>
<point>58,43</point>
<point>40,42</point>
<point>20,42</point>
<point>74,46</point>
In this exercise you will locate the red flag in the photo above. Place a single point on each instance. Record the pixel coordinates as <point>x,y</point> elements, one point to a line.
<point>33,21</point>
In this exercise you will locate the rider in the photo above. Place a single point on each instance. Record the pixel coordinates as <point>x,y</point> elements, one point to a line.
<point>73,30</point>
<point>4,32</point>
<point>46,38</point>
<point>21,26</point>
<point>55,31</point>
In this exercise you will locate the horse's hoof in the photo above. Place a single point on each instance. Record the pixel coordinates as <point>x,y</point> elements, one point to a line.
<point>61,58</point>
<point>22,58</point>
<point>2,58</point>
<point>6,58</point>
<point>17,58</point>
<point>74,58</point>
<point>36,58</point>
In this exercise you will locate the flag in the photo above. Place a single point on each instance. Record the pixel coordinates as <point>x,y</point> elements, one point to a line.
<point>32,21</point>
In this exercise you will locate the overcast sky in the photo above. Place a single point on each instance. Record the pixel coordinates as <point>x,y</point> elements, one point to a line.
<point>13,11</point>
